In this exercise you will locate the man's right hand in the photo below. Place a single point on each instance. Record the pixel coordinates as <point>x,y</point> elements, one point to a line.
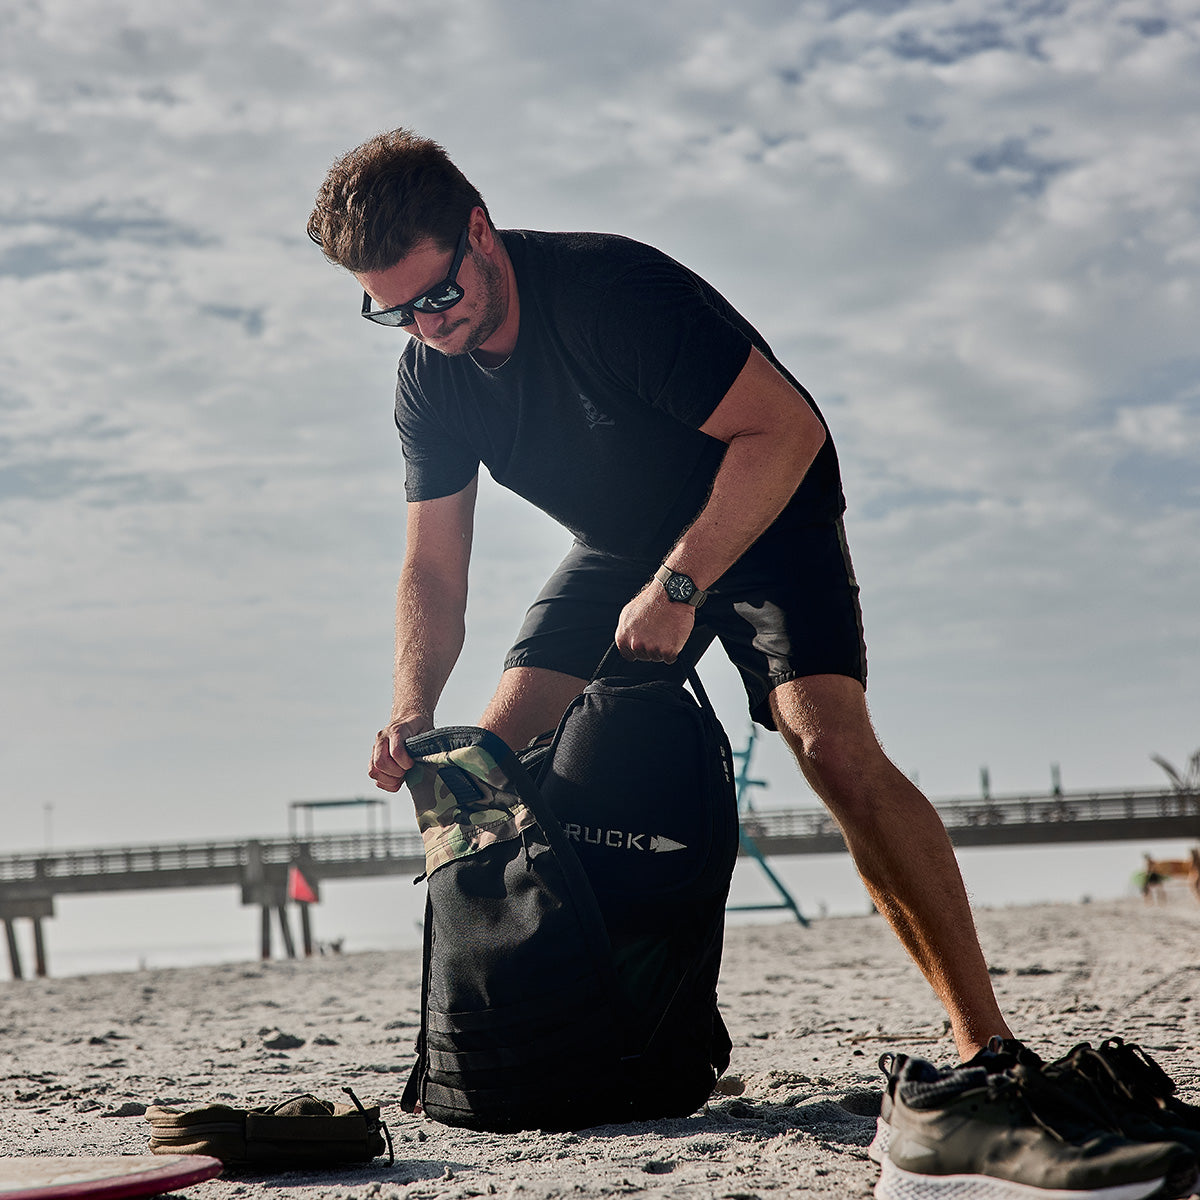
<point>390,762</point>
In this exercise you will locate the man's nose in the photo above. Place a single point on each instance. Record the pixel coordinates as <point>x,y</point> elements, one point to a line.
<point>429,323</point>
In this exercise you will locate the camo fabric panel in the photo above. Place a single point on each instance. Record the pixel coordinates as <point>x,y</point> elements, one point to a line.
<point>454,828</point>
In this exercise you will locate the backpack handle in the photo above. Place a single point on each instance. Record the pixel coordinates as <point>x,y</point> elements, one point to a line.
<point>610,664</point>
<point>613,664</point>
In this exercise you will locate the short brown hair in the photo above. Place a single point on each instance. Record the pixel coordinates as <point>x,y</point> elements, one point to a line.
<point>382,198</point>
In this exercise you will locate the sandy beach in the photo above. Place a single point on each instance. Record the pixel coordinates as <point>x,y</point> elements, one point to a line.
<point>810,1011</point>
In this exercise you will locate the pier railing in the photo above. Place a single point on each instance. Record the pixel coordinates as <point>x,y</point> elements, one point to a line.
<point>996,821</point>
<point>264,868</point>
<point>206,864</point>
<point>1124,815</point>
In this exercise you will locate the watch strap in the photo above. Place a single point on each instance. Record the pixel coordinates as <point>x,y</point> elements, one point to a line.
<point>664,574</point>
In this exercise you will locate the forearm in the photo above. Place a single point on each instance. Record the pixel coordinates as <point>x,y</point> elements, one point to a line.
<point>771,437</point>
<point>430,630</point>
<point>756,479</point>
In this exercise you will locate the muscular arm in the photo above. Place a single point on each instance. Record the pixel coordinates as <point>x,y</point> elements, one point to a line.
<point>431,603</point>
<point>772,435</point>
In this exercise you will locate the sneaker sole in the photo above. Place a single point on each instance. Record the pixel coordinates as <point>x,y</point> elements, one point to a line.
<point>895,1184</point>
<point>877,1150</point>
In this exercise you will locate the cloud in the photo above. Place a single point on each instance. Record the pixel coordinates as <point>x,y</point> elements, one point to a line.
<point>93,224</point>
<point>950,43</point>
<point>1162,429</point>
<point>968,226</point>
<point>56,479</point>
<point>1014,159</point>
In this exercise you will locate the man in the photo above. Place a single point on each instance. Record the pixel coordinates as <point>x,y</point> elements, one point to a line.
<point>620,393</point>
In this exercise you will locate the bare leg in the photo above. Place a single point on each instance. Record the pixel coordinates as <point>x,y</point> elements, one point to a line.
<point>528,702</point>
<point>899,846</point>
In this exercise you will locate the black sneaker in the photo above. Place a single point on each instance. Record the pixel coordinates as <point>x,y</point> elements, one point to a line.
<point>892,1065</point>
<point>998,1055</point>
<point>1139,1112</point>
<point>1120,1105</point>
<point>970,1134</point>
<point>1146,1082</point>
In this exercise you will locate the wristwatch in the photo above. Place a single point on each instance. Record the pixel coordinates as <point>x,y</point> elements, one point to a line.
<point>679,587</point>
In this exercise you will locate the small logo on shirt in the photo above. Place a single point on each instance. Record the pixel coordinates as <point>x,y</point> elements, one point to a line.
<point>593,415</point>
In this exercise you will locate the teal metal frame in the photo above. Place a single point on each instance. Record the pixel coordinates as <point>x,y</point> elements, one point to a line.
<point>750,848</point>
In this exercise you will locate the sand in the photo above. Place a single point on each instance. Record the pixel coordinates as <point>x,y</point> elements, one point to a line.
<point>810,1011</point>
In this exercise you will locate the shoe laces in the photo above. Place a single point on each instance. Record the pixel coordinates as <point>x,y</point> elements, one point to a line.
<point>1114,1084</point>
<point>1133,1065</point>
<point>1068,1107</point>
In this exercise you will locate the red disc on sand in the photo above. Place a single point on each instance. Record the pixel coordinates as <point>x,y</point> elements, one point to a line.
<point>101,1177</point>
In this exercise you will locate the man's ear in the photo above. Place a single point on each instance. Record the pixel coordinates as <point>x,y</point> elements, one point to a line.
<point>481,235</point>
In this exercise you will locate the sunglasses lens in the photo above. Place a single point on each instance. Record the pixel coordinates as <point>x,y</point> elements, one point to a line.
<point>436,302</point>
<point>396,316</point>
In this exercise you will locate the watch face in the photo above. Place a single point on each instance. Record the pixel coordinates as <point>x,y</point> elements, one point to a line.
<point>680,587</point>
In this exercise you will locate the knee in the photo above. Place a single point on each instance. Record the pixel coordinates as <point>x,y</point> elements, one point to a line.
<point>826,725</point>
<point>824,752</point>
<point>859,784</point>
<point>836,763</point>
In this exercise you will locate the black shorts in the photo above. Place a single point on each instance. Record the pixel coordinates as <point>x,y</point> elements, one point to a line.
<point>786,610</point>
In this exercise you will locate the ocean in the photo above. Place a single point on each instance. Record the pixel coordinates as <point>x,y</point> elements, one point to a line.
<point>139,930</point>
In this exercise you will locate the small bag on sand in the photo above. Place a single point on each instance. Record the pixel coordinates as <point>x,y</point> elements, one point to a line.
<point>302,1131</point>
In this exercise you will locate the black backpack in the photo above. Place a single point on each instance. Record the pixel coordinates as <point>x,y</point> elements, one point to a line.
<point>575,914</point>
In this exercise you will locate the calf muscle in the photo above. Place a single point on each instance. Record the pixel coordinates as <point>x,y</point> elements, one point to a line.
<point>899,845</point>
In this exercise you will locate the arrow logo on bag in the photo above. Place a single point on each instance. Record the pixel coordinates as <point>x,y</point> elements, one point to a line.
<point>664,845</point>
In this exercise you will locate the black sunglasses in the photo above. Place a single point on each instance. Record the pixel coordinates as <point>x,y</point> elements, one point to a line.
<point>439,298</point>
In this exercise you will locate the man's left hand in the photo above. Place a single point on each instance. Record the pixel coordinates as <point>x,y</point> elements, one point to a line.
<point>654,628</point>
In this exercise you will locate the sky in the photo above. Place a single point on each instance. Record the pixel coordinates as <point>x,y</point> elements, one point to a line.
<point>971,228</point>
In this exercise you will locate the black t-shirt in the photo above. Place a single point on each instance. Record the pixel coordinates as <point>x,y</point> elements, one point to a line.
<point>622,355</point>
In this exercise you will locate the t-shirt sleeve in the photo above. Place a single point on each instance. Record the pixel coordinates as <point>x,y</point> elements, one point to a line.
<point>662,336</point>
<point>435,463</point>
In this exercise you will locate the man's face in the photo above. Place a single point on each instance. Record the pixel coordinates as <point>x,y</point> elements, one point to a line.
<point>461,329</point>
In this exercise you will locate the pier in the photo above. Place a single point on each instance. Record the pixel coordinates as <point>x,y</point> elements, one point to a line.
<point>285,873</point>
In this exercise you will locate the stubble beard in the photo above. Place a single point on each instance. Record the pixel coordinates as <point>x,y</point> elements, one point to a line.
<point>491,316</point>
